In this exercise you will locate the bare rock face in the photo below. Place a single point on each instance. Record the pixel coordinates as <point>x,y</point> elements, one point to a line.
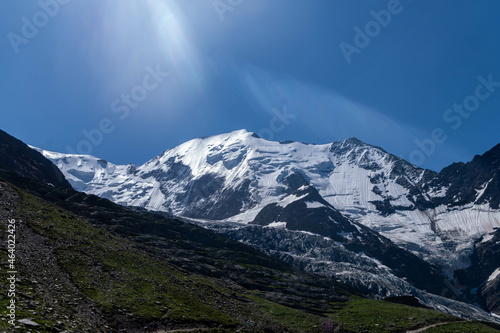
<point>482,278</point>
<point>16,156</point>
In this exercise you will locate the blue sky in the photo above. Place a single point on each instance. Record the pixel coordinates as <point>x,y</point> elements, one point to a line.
<point>126,79</point>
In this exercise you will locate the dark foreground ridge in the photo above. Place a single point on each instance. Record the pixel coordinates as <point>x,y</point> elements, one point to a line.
<point>16,156</point>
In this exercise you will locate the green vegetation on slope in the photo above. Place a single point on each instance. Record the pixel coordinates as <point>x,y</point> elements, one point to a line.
<point>462,327</point>
<point>381,316</point>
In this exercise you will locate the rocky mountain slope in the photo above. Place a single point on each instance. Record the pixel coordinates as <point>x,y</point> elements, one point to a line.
<point>14,155</point>
<point>305,210</point>
<point>80,274</point>
<point>85,264</point>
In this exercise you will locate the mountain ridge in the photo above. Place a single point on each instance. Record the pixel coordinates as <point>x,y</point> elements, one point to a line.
<point>89,265</point>
<point>233,177</point>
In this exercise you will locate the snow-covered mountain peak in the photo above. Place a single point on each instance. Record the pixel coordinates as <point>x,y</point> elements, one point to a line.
<point>352,142</point>
<point>220,141</point>
<point>82,170</point>
<point>363,154</point>
<point>233,176</point>
<point>197,153</point>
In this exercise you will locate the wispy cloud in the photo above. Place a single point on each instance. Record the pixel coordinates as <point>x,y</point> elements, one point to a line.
<point>324,115</point>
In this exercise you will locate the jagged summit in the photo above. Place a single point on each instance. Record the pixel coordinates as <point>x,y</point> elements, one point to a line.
<point>245,136</point>
<point>354,141</point>
<point>343,146</point>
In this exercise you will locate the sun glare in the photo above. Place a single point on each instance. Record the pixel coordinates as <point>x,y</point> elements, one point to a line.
<point>172,39</point>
